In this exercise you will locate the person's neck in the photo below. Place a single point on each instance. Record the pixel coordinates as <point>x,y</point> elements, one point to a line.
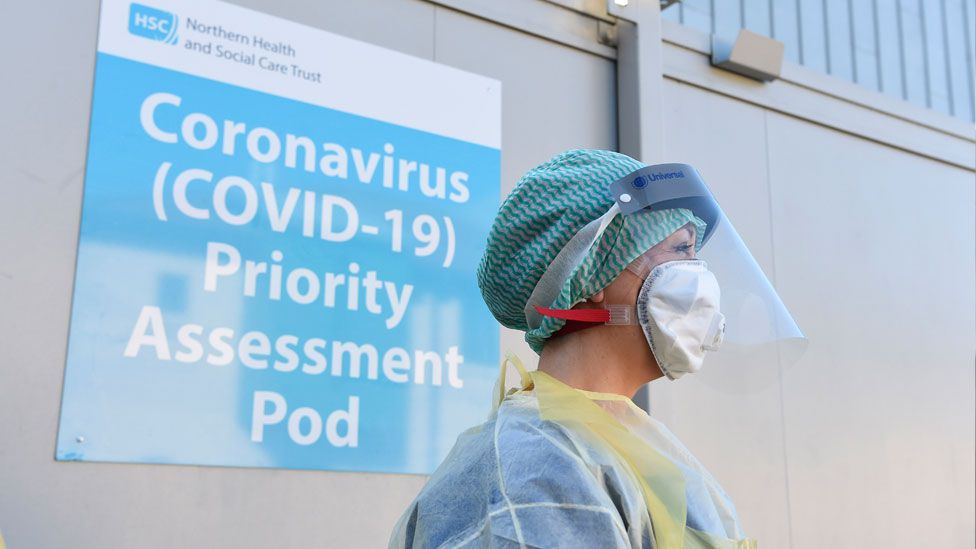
<point>595,360</point>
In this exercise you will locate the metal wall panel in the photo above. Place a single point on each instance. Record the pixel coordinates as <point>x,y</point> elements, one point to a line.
<point>865,43</point>
<point>960,65</point>
<point>697,14</point>
<point>813,35</point>
<point>756,16</point>
<point>868,441</point>
<point>726,18</point>
<point>879,412</point>
<point>889,49</point>
<point>912,50</point>
<point>918,50</point>
<point>936,56</point>
<point>839,39</point>
<point>786,28</point>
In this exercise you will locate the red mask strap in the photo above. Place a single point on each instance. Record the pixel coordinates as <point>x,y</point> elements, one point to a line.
<point>596,316</point>
<point>576,319</point>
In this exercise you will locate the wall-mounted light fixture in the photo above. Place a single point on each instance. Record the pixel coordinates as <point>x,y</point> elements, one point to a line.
<point>750,54</point>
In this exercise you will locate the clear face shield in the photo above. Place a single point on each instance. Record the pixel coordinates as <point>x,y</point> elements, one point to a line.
<point>692,304</point>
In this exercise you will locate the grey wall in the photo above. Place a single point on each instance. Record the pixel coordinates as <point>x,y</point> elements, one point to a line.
<point>866,442</point>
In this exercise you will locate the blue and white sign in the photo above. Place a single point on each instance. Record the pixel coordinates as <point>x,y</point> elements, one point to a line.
<point>279,237</point>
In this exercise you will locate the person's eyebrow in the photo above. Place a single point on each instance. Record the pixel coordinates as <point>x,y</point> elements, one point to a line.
<point>691,231</point>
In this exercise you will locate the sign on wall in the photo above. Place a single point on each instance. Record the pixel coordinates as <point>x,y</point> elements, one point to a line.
<point>277,250</point>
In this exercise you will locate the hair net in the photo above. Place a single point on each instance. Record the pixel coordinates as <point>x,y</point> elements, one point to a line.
<point>548,205</point>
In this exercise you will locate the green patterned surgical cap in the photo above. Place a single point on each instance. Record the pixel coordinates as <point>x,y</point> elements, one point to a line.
<point>548,205</point>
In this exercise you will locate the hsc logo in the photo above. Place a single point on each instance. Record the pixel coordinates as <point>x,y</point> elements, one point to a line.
<point>152,23</point>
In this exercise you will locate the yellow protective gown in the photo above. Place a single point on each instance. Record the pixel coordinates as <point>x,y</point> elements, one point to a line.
<point>556,466</point>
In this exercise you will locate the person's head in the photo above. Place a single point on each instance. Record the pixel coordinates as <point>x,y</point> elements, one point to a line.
<point>593,229</point>
<point>554,244</point>
<point>628,341</point>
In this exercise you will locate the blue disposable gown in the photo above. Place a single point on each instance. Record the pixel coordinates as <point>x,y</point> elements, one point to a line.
<point>519,480</point>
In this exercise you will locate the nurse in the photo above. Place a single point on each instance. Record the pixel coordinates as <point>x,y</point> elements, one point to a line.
<point>618,273</point>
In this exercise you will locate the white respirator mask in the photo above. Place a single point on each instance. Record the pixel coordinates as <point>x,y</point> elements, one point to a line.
<point>678,309</point>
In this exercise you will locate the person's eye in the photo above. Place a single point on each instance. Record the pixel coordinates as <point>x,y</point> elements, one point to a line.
<point>684,248</point>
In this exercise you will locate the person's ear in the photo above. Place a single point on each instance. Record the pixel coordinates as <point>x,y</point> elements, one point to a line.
<point>597,297</point>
